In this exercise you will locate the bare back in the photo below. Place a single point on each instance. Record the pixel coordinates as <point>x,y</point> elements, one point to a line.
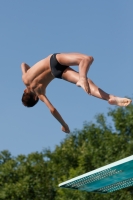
<point>39,75</point>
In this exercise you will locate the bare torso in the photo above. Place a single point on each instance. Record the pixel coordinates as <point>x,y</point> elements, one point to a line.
<point>38,76</point>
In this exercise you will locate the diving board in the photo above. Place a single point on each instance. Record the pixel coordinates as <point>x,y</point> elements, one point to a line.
<point>112,177</point>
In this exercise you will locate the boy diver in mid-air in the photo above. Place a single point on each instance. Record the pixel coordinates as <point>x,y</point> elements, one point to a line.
<point>57,65</point>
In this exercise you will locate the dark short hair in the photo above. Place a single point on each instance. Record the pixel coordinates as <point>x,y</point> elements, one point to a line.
<point>28,99</point>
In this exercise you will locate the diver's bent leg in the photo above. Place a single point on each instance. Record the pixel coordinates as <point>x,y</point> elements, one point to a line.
<point>72,76</point>
<point>83,69</point>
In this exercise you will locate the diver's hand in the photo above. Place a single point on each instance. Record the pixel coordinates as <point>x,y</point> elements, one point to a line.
<point>65,128</point>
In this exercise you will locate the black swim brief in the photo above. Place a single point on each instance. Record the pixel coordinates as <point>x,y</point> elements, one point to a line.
<point>56,68</point>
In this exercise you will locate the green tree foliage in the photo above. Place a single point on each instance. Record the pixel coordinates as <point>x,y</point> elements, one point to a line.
<point>26,178</point>
<point>36,176</point>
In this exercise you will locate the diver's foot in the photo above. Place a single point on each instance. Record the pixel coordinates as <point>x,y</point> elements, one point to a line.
<point>119,101</point>
<point>82,82</point>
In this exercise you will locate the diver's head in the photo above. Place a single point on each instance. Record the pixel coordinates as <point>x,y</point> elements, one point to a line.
<point>29,99</point>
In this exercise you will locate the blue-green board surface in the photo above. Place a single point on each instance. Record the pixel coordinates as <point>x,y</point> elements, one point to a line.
<point>109,178</point>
